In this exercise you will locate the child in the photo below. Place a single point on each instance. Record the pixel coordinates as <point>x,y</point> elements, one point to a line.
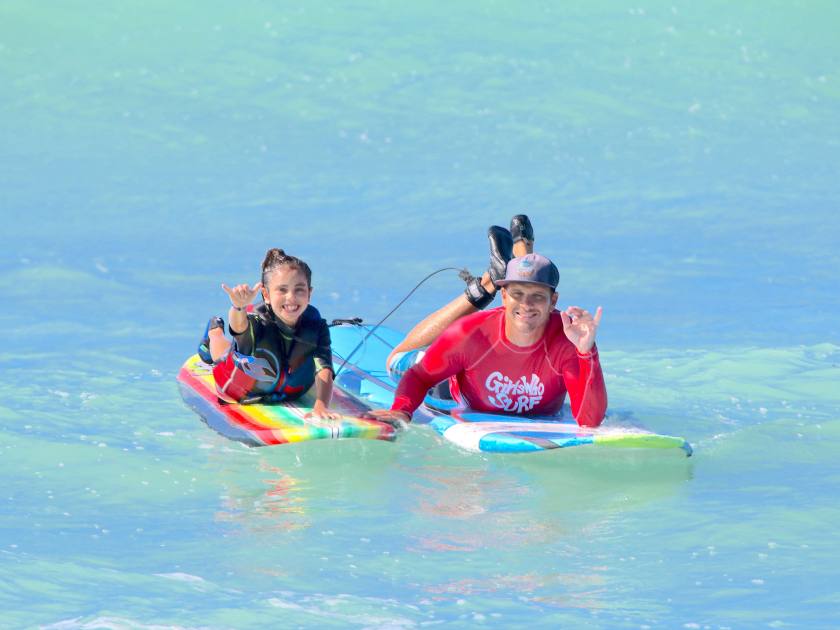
<point>285,334</point>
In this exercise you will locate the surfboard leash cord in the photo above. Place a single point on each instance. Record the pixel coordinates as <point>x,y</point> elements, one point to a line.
<point>463,274</point>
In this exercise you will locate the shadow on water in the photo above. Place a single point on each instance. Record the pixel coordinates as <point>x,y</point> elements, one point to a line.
<point>464,501</point>
<point>288,487</point>
<point>592,477</point>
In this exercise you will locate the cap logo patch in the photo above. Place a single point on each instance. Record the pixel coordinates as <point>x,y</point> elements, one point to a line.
<point>526,268</point>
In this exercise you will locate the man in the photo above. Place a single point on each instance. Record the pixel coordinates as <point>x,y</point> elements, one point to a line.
<point>519,359</point>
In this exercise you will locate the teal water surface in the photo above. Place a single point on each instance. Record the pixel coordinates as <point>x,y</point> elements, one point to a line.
<point>678,161</point>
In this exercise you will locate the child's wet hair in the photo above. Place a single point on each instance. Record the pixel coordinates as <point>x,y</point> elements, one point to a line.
<point>276,258</point>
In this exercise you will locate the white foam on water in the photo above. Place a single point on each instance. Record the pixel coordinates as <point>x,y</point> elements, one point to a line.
<point>314,605</point>
<point>182,577</point>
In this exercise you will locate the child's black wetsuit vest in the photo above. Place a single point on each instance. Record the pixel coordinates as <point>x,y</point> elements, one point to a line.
<point>296,353</point>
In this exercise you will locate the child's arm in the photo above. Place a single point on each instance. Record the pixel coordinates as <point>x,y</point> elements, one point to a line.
<point>323,375</point>
<point>323,394</point>
<point>240,297</point>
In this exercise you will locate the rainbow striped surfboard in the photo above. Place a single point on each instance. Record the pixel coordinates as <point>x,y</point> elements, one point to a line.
<point>283,423</point>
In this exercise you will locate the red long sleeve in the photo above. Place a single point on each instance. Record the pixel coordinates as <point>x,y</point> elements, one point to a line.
<point>493,375</point>
<point>587,390</point>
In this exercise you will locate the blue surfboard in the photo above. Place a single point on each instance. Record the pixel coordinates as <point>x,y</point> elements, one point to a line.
<point>359,357</point>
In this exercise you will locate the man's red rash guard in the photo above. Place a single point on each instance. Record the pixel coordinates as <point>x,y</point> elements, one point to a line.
<point>490,374</point>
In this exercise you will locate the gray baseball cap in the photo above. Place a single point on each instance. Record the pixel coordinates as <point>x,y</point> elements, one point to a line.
<point>531,268</point>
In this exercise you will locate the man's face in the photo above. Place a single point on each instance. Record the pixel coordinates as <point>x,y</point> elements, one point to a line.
<point>527,306</point>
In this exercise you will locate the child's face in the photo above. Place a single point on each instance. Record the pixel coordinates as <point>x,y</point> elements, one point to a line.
<point>288,293</point>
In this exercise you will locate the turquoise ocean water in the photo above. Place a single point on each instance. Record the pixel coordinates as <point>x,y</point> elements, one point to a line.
<point>678,159</point>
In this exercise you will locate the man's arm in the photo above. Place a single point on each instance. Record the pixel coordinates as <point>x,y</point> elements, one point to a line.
<point>412,390</point>
<point>582,373</point>
<point>587,391</point>
<point>441,360</point>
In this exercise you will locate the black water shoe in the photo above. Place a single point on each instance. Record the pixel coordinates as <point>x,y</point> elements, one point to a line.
<point>521,228</point>
<point>501,251</point>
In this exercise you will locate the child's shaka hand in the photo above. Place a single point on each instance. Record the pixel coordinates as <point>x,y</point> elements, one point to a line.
<point>242,294</point>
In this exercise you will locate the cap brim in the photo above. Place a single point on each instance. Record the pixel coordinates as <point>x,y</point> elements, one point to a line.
<point>504,283</point>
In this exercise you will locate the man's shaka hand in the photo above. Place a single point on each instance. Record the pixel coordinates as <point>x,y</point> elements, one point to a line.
<point>580,327</point>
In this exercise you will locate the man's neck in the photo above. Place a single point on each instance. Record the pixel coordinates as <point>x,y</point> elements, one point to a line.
<point>519,338</point>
